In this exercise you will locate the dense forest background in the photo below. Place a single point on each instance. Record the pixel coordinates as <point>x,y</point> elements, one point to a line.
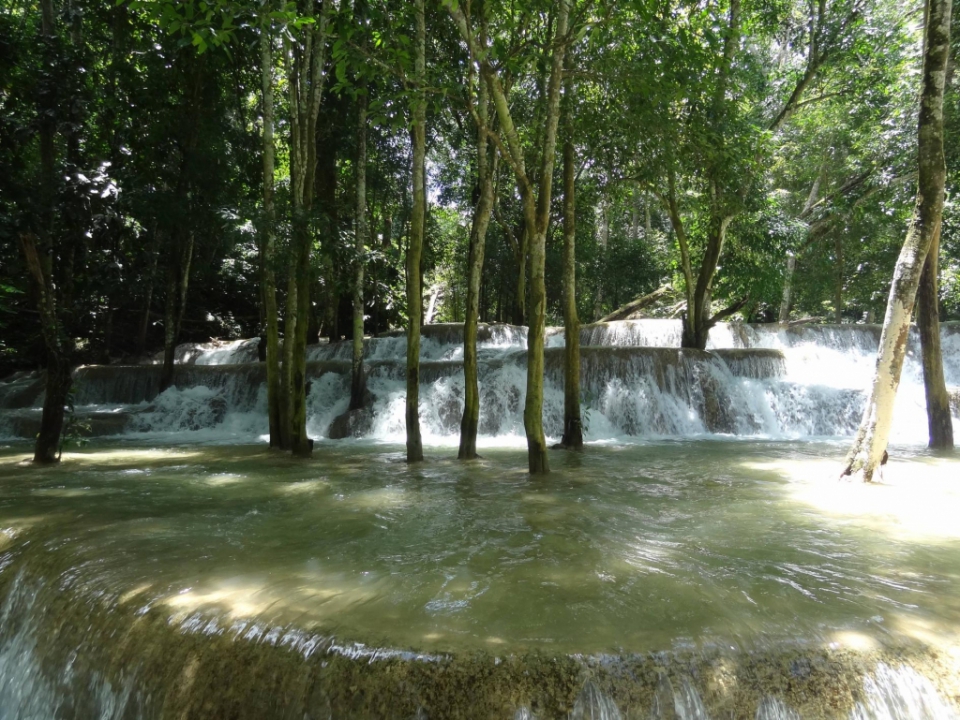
<point>131,135</point>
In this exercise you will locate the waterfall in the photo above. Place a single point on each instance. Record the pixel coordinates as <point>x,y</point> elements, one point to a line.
<point>770,381</point>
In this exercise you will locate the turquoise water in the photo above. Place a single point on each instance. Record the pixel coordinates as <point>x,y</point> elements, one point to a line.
<point>623,548</point>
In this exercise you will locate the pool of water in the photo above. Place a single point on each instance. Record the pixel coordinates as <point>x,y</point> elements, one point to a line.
<point>624,548</point>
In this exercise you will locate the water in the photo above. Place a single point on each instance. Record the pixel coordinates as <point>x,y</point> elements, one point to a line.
<point>698,560</point>
<point>666,554</point>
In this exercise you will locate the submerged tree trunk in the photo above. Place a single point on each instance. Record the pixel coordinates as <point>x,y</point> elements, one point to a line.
<point>536,207</point>
<point>417,221</point>
<point>870,443</point>
<point>486,171</point>
<point>939,421</point>
<point>533,405</point>
<point>572,420</point>
<point>269,245</point>
<point>357,385</point>
<point>57,384</point>
<point>307,52</point>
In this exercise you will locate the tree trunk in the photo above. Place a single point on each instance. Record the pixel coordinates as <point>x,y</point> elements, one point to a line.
<point>357,385</point>
<point>520,300</point>
<point>178,281</point>
<point>604,241</point>
<point>787,288</point>
<point>939,421</point>
<point>486,171</point>
<point>572,420</point>
<point>870,443</point>
<point>533,405</point>
<point>58,362</point>
<point>536,209</point>
<point>838,284</point>
<point>269,244</point>
<point>417,221</point>
<point>148,301</point>
<point>169,325</point>
<point>307,49</point>
<point>697,320</point>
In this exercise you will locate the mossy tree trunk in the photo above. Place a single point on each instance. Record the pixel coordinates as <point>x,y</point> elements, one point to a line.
<point>486,171</point>
<point>306,49</point>
<point>414,251</point>
<point>57,385</point>
<point>870,443</point>
<point>357,385</point>
<point>572,420</point>
<point>939,421</point>
<point>535,200</point>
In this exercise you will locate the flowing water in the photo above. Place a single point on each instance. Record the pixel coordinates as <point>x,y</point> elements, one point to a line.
<point>698,560</point>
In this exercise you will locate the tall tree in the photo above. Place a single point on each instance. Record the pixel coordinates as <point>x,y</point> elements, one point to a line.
<point>870,443</point>
<point>418,135</point>
<point>486,172</point>
<point>41,252</point>
<point>268,242</point>
<point>306,57</point>
<point>572,419</point>
<point>535,198</point>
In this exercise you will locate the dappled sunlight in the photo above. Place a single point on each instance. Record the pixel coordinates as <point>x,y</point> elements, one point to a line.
<point>311,598</point>
<point>302,487</point>
<point>918,500</point>
<point>223,480</point>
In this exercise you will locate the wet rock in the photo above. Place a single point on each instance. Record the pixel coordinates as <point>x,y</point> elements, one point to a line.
<point>354,423</point>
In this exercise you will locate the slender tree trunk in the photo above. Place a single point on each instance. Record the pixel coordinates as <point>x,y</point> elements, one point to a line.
<point>520,301</point>
<point>186,263</point>
<point>38,253</point>
<point>307,52</point>
<point>269,244</point>
<point>533,405</point>
<point>57,384</point>
<point>357,385</point>
<point>838,284</point>
<point>417,221</point>
<point>787,287</point>
<point>170,315</point>
<point>148,301</point>
<point>939,421</point>
<point>486,171</point>
<point>870,443</point>
<point>572,420</point>
<point>604,241</point>
<point>536,209</point>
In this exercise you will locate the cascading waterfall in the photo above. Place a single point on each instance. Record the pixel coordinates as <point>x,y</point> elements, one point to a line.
<point>755,381</point>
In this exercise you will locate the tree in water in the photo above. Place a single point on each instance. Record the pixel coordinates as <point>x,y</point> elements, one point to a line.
<point>870,443</point>
<point>535,200</point>
<point>307,53</point>
<point>939,421</point>
<point>486,171</point>
<point>572,420</point>
<point>268,244</point>
<point>40,254</point>
<point>414,251</point>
